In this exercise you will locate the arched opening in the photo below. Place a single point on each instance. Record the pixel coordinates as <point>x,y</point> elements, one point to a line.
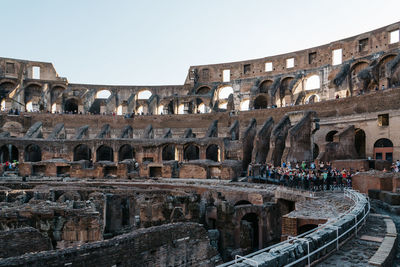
<point>181,109</point>
<point>144,95</point>
<point>383,149</point>
<point>313,99</point>
<point>82,152</point>
<point>225,92</point>
<point>104,153</point>
<point>201,108</point>
<point>71,106</point>
<point>5,89</point>
<point>33,153</point>
<point>242,202</point>
<point>329,136</point>
<point>356,85</point>
<point>305,228</point>
<point>203,90</point>
<point>103,94</point>
<point>33,95</point>
<point>191,152</point>
<point>260,102</point>
<point>249,232</point>
<point>315,151</point>
<point>126,152</point>
<point>313,82</point>
<point>139,110</point>
<point>359,142</point>
<point>245,104</point>
<point>160,109</point>
<point>212,152</point>
<point>265,86</point>
<point>8,153</point>
<point>168,153</point>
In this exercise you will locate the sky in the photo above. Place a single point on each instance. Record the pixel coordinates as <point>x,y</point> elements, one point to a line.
<point>155,42</point>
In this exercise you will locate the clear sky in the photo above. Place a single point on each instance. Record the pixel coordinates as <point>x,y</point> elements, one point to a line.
<point>154,42</point>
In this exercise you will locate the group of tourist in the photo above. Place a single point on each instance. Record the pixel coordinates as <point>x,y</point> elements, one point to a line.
<point>302,175</point>
<point>9,166</point>
<point>395,166</point>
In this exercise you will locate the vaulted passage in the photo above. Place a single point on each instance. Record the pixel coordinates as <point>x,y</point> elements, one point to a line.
<point>191,152</point>
<point>261,102</point>
<point>359,142</point>
<point>33,153</point>
<point>82,152</point>
<point>126,152</point>
<point>104,153</point>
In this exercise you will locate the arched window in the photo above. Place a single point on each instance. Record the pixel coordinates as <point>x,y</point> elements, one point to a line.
<point>312,99</point>
<point>126,152</point>
<point>82,152</point>
<point>244,105</point>
<point>225,92</point>
<point>104,153</point>
<point>383,149</point>
<point>145,94</point>
<point>168,152</point>
<point>33,153</point>
<point>212,152</point>
<point>191,152</point>
<point>260,102</point>
<point>313,82</point>
<point>103,94</point>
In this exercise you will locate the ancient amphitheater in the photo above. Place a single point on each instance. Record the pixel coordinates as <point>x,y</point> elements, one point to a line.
<point>156,175</point>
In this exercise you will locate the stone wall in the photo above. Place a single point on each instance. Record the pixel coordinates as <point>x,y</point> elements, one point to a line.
<point>15,242</point>
<point>181,244</point>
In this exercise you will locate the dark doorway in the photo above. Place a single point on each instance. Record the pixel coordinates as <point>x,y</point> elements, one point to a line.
<point>191,152</point>
<point>359,142</point>
<point>249,232</point>
<point>125,152</point>
<point>305,228</point>
<point>168,152</point>
<point>82,152</point>
<point>329,136</point>
<point>8,153</point>
<point>260,102</point>
<point>104,153</point>
<point>71,106</point>
<point>212,152</point>
<point>155,172</point>
<point>33,153</point>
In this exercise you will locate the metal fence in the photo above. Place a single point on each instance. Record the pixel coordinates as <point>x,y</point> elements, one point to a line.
<point>354,195</point>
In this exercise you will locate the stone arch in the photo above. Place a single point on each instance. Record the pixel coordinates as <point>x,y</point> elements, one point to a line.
<point>203,90</point>
<point>265,86</point>
<point>104,153</point>
<point>33,153</point>
<point>32,94</point>
<point>212,152</point>
<point>191,152</point>
<point>13,127</point>
<point>260,102</point>
<point>383,149</point>
<point>355,83</point>
<point>9,153</point>
<point>168,152</point>
<point>359,142</point>
<point>103,94</point>
<point>82,152</point>
<point>382,75</point>
<point>329,136</point>
<point>71,105</point>
<point>126,152</point>
<point>313,98</point>
<point>144,94</point>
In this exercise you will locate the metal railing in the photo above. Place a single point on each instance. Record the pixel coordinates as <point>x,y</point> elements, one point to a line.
<point>348,193</point>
